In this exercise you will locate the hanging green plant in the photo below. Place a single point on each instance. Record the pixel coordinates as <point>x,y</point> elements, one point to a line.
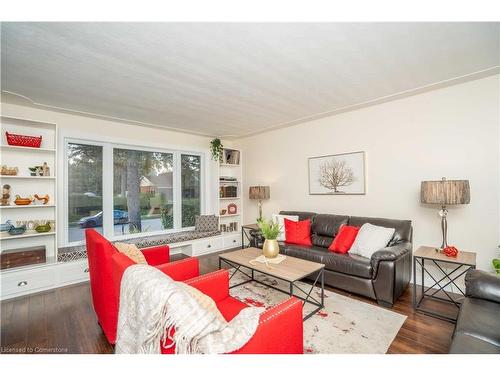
<point>216,149</point>
<point>496,265</point>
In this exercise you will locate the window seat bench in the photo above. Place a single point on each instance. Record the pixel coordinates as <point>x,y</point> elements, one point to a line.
<point>72,253</point>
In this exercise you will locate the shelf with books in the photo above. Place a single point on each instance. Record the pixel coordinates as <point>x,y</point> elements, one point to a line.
<point>230,191</point>
<point>230,157</point>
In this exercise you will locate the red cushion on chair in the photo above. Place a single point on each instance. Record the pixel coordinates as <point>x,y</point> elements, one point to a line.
<point>298,232</point>
<point>230,307</point>
<point>345,238</point>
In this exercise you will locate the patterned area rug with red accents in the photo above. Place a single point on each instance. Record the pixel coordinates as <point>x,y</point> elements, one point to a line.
<point>344,326</point>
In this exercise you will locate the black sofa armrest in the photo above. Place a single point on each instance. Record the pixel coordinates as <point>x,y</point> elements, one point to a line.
<point>391,271</point>
<point>483,285</point>
<point>390,253</point>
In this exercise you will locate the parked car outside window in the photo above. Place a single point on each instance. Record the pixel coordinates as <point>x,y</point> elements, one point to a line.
<point>119,217</point>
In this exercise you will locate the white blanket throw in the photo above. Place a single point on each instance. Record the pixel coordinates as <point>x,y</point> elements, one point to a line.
<point>152,304</point>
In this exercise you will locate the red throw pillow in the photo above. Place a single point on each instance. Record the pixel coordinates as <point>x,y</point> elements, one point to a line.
<point>298,232</point>
<point>345,238</point>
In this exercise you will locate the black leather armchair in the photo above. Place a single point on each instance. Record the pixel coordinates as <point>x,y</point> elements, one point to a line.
<point>478,323</point>
<point>480,284</point>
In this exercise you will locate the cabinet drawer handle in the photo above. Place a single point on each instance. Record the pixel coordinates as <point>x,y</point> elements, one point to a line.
<point>22,283</point>
<point>209,246</point>
<point>86,270</point>
<point>234,241</point>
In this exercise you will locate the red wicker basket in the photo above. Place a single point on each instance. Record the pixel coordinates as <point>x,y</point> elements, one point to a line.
<point>23,140</point>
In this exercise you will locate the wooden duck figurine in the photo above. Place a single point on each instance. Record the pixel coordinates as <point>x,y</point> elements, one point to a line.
<point>44,199</point>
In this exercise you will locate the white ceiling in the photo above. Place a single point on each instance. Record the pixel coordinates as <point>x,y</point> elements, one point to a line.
<point>234,78</point>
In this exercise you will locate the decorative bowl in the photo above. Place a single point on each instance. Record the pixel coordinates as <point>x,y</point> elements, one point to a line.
<point>23,140</point>
<point>16,231</point>
<point>9,171</point>
<point>22,201</point>
<point>6,226</point>
<point>43,228</point>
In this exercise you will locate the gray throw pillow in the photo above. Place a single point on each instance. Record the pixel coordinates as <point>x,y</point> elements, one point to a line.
<point>206,223</point>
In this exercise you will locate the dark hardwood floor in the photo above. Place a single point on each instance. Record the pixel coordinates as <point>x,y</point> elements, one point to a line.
<point>63,321</point>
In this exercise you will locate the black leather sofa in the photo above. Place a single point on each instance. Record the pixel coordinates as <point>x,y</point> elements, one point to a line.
<point>384,277</point>
<point>478,325</point>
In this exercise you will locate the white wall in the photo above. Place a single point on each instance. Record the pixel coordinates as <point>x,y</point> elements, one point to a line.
<point>452,132</point>
<point>76,126</point>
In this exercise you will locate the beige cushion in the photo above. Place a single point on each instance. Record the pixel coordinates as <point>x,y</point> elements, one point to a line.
<point>205,301</point>
<point>131,251</point>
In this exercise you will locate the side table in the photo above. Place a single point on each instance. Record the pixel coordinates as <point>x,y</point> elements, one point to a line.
<point>245,233</point>
<point>425,256</point>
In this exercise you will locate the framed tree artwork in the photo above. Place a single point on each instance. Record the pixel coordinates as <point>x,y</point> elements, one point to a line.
<point>338,174</point>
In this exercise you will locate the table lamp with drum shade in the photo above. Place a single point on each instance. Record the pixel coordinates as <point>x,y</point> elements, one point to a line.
<point>259,193</point>
<point>444,193</point>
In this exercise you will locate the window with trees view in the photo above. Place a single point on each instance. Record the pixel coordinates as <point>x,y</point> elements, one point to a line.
<point>190,186</point>
<point>148,191</point>
<point>143,196</point>
<point>84,189</point>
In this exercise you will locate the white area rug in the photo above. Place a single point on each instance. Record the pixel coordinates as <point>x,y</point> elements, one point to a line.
<point>344,326</point>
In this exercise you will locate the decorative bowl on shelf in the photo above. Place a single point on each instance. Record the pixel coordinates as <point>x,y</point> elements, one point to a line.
<point>22,201</point>
<point>23,140</point>
<point>9,171</point>
<point>14,231</point>
<point>43,228</point>
<point>223,212</point>
<point>6,226</point>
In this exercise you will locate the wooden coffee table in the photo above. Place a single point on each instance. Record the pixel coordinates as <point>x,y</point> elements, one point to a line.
<point>289,270</point>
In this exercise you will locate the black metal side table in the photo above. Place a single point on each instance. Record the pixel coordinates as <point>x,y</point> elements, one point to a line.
<point>425,257</point>
<point>246,231</point>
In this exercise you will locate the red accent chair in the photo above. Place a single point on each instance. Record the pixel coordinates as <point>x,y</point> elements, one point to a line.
<point>280,329</point>
<point>105,295</point>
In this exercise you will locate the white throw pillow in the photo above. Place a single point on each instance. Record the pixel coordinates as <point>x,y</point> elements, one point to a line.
<point>370,239</point>
<point>280,219</point>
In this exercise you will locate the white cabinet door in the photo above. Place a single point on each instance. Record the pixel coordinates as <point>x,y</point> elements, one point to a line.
<point>207,246</point>
<point>73,272</point>
<point>233,241</point>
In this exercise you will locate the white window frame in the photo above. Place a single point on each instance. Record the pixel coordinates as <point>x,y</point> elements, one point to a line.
<point>65,194</point>
<point>202,184</point>
<point>108,188</point>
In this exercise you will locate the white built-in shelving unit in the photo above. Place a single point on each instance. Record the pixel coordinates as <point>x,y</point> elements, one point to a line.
<point>25,185</point>
<point>231,166</point>
<point>33,278</point>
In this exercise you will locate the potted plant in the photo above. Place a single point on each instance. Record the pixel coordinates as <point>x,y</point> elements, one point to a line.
<point>36,170</point>
<point>216,149</point>
<point>270,231</point>
<point>496,265</point>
